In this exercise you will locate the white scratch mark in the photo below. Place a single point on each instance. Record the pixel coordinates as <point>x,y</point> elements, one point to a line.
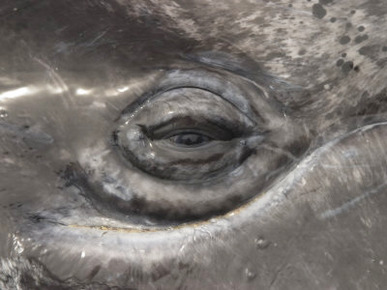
<point>58,81</point>
<point>97,38</point>
<point>350,204</point>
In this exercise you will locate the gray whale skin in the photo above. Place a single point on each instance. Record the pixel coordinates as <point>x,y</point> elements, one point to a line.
<point>193,144</point>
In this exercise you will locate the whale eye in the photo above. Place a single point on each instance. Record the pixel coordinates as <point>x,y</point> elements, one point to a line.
<point>189,139</point>
<point>197,145</point>
<point>185,134</point>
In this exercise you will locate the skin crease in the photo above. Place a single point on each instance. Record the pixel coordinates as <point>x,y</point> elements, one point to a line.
<point>314,73</point>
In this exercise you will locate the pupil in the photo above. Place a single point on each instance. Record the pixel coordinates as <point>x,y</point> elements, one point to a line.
<point>190,139</point>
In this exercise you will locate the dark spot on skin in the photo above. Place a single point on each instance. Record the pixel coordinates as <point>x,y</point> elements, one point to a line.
<point>333,19</point>
<point>36,218</point>
<point>353,11</point>
<point>370,51</point>
<point>384,48</point>
<point>344,54</point>
<point>356,68</point>
<point>344,39</point>
<point>68,175</point>
<point>361,38</point>
<point>347,67</point>
<point>361,28</point>
<point>325,2</point>
<point>371,106</point>
<point>340,62</point>
<point>318,11</point>
<point>159,271</point>
<point>275,54</point>
<point>302,52</point>
<point>290,5</point>
<point>348,25</point>
<point>14,205</point>
<point>94,272</point>
<point>301,22</point>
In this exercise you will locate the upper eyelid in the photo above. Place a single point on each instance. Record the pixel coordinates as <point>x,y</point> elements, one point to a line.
<point>206,90</point>
<point>177,79</point>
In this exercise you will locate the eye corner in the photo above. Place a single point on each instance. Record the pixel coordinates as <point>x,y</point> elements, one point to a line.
<point>114,138</point>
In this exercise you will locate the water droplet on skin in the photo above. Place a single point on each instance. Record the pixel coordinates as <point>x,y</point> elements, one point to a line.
<point>250,275</point>
<point>3,113</point>
<point>327,87</point>
<point>261,243</point>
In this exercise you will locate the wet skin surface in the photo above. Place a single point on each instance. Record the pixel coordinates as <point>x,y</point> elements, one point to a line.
<point>185,146</point>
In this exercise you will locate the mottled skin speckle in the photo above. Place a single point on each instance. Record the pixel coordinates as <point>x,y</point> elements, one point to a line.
<point>319,11</point>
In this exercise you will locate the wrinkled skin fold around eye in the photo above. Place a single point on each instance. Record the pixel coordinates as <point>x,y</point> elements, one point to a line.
<point>166,183</point>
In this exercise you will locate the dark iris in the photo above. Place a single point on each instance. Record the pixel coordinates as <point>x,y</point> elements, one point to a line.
<point>190,139</point>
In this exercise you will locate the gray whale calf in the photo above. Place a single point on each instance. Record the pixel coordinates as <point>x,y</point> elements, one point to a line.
<point>193,144</point>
